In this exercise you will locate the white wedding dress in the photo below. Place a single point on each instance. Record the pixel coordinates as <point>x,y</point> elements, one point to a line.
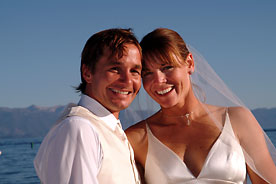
<point>224,163</point>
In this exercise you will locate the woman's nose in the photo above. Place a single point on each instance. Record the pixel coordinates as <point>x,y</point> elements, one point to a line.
<point>160,77</point>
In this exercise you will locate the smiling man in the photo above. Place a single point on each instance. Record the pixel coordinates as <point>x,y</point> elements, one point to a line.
<point>88,144</point>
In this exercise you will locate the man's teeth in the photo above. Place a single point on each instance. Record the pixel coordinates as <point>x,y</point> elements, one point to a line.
<point>121,92</point>
<point>164,91</point>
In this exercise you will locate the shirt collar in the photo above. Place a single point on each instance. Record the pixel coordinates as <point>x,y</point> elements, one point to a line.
<point>99,110</point>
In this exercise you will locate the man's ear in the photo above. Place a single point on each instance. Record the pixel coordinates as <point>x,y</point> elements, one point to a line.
<point>190,63</point>
<point>86,74</point>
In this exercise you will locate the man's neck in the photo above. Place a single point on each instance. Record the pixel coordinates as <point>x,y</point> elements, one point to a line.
<point>116,114</point>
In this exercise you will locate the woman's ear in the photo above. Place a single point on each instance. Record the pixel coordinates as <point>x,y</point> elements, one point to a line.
<point>86,74</point>
<point>190,63</point>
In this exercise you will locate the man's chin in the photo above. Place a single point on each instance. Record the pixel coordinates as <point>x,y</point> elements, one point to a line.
<point>124,106</point>
<point>121,106</point>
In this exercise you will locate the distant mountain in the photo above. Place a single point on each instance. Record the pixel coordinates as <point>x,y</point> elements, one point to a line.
<point>36,121</point>
<point>266,117</point>
<point>32,121</point>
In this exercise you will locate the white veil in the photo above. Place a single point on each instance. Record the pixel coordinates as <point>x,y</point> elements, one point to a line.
<point>209,89</point>
<point>217,93</point>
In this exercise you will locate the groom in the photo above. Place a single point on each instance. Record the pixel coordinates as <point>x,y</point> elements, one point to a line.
<point>88,145</point>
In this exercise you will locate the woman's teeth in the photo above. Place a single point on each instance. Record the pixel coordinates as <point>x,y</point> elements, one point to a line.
<point>164,91</point>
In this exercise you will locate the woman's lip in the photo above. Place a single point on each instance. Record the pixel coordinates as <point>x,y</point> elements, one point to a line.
<point>164,91</point>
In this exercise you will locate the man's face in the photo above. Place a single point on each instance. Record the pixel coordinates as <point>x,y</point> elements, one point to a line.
<point>116,82</point>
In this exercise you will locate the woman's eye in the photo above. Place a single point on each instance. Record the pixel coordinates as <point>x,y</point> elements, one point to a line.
<point>169,67</point>
<point>146,73</point>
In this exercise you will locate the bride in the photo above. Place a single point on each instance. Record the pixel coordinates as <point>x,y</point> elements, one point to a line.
<point>202,133</point>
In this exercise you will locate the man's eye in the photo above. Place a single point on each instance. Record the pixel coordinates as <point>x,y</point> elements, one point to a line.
<point>136,72</point>
<point>114,69</point>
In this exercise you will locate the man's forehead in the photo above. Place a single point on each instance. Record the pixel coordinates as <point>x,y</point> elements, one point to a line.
<point>120,51</point>
<point>116,57</point>
<point>112,55</point>
<point>117,62</point>
<point>113,58</point>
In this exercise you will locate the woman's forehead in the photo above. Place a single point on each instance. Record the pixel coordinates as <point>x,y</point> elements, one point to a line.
<point>158,61</point>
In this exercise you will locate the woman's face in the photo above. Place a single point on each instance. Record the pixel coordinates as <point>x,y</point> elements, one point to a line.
<point>168,85</point>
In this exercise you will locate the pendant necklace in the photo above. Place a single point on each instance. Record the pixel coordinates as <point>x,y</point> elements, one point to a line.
<point>186,116</point>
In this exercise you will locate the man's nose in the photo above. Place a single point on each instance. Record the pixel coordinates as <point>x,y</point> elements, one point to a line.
<point>126,77</point>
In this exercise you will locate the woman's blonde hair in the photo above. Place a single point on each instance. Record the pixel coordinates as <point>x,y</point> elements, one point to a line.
<point>164,46</point>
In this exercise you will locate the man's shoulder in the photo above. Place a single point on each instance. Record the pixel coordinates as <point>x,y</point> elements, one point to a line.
<point>79,111</point>
<point>76,123</point>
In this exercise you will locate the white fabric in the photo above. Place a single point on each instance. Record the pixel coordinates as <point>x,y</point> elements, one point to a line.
<point>118,165</point>
<point>71,151</point>
<point>210,89</point>
<point>224,163</point>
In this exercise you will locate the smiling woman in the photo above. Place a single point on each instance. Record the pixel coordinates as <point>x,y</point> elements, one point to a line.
<point>202,133</point>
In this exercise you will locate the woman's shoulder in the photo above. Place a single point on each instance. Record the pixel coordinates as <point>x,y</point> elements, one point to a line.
<point>240,114</point>
<point>136,132</point>
<point>238,110</point>
<point>137,127</point>
<point>243,121</point>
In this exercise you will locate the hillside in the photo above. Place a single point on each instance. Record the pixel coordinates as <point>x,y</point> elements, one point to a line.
<point>36,121</point>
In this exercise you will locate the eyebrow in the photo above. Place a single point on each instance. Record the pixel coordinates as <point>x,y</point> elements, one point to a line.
<point>145,70</point>
<point>114,62</point>
<point>138,66</point>
<point>117,63</point>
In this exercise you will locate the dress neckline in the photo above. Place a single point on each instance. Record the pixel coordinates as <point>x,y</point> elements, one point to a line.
<point>210,153</point>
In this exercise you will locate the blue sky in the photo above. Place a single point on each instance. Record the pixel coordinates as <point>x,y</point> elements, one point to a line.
<point>41,43</point>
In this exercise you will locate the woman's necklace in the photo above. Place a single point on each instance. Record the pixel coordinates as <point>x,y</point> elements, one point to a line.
<point>186,116</point>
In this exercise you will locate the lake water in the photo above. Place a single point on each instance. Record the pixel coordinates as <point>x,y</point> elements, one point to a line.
<point>16,160</point>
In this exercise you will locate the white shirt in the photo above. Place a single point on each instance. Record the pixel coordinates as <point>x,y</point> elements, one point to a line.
<point>71,152</point>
